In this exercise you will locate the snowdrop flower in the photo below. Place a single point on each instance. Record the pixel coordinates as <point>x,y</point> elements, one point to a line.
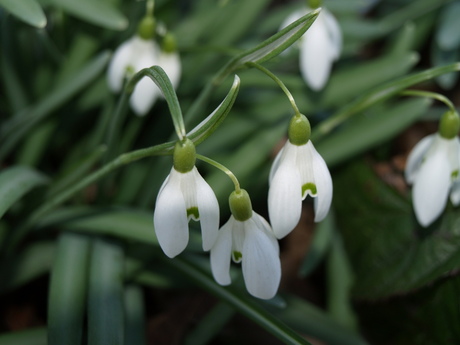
<point>433,169</point>
<point>298,170</point>
<point>320,46</point>
<point>185,195</point>
<point>247,238</point>
<point>139,52</point>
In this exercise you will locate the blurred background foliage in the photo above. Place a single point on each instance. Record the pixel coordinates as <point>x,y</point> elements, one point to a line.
<point>91,271</point>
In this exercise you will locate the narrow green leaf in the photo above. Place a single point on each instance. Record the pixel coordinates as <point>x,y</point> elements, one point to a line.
<point>244,305</point>
<point>161,79</point>
<point>340,280</point>
<point>203,130</point>
<point>34,336</point>
<point>29,264</point>
<point>102,13</point>
<point>15,182</point>
<point>14,130</point>
<point>28,11</point>
<point>135,316</point>
<point>309,319</point>
<point>275,44</point>
<point>378,95</point>
<point>105,299</point>
<point>448,34</point>
<point>68,289</point>
<point>369,130</point>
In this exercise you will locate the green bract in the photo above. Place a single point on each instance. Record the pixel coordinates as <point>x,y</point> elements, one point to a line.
<point>169,43</point>
<point>449,125</point>
<point>146,28</point>
<point>240,205</point>
<point>299,130</point>
<point>184,155</point>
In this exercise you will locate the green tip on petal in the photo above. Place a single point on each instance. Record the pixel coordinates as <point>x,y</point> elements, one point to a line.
<point>169,44</point>
<point>299,130</point>
<point>237,256</point>
<point>240,205</point>
<point>449,125</point>
<point>146,28</point>
<point>454,174</point>
<point>193,213</point>
<point>184,156</point>
<point>309,187</point>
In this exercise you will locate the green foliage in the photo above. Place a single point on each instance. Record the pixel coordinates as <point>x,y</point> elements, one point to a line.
<point>80,173</point>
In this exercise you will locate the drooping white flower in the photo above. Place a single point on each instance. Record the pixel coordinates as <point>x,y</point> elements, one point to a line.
<point>433,169</point>
<point>297,171</point>
<point>253,243</point>
<point>320,46</point>
<point>132,56</point>
<point>185,195</point>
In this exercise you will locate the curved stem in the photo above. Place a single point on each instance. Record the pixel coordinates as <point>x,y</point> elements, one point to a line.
<point>222,168</point>
<point>428,94</point>
<point>280,84</point>
<point>149,6</point>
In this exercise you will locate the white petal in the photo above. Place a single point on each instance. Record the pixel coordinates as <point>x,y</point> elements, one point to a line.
<point>305,154</point>
<point>431,187</point>
<point>261,263</point>
<point>170,217</point>
<point>415,157</point>
<point>221,254</point>
<point>121,59</point>
<point>208,209</point>
<point>144,96</point>
<point>275,165</point>
<point>316,55</point>
<point>171,64</point>
<point>335,33</point>
<point>261,223</point>
<point>285,199</point>
<point>453,147</point>
<point>323,182</point>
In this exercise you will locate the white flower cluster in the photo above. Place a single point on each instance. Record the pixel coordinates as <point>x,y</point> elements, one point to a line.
<point>246,237</point>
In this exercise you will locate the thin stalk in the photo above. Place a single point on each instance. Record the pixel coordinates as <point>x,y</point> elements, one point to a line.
<point>280,84</point>
<point>433,95</point>
<point>222,168</point>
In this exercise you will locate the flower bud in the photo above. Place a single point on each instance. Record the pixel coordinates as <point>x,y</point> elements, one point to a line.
<point>146,28</point>
<point>184,156</point>
<point>314,3</point>
<point>240,205</point>
<point>449,125</point>
<point>299,130</point>
<point>169,44</point>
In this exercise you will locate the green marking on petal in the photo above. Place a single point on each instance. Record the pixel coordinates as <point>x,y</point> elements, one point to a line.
<point>237,256</point>
<point>193,213</point>
<point>130,70</point>
<point>454,174</point>
<point>309,187</point>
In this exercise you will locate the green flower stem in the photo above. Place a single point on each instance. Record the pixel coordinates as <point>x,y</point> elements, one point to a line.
<point>115,125</point>
<point>376,96</point>
<point>222,168</point>
<point>126,158</point>
<point>149,7</point>
<point>280,84</point>
<point>432,95</point>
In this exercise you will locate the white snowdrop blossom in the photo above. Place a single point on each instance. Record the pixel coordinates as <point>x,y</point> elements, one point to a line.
<point>132,56</point>
<point>297,171</point>
<point>433,169</point>
<point>319,47</point>
<point>185,195</point>
<point>253,243</point>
